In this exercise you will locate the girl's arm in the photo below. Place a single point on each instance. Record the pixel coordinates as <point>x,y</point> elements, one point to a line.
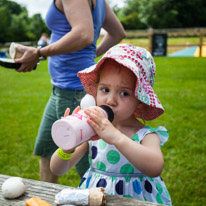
<point>115,31</point>
<point>78,14</point>
<point>146,157</point>
<point>60,167</point>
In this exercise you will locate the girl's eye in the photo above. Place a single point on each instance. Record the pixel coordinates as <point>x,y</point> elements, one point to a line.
<point>105,90</point>
<point>124,94</point>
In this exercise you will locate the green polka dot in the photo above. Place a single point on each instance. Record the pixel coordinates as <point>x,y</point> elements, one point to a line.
<point>167,193</point>
<point>159,188</point>
<point>113,178</point>
<point>148,127</point>
<point>159,199</point>
<point>113,157</point>
<point>90,160</point>
<point>153,129</point>
<point>96,175</point>
<point>102,144</point>
<point>141,178</point>
<point>164,133</point>
<point>127,169</point>
<point>135,138</point>
<point>127,179</point>
<point>145,199</point>
<point>151,179</point>
<point>101,166</point>
<point>127,196</point>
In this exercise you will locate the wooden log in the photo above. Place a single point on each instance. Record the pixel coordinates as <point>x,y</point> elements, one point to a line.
<point>47,191</point>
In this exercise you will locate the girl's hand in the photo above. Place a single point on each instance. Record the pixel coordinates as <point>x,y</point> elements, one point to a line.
<point>29,59</point>
<point>67,111</point>
<point>102,126</point>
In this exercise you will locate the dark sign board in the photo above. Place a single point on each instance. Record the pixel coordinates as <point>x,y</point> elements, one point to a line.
<point>159,44</point>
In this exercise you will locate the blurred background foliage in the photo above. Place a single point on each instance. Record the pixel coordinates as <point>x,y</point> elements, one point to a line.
<point>160,14</point>
<point>16,25</point>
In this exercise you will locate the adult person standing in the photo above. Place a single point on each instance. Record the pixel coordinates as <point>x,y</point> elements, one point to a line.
<point>75,27</point>
<point>43,41</point>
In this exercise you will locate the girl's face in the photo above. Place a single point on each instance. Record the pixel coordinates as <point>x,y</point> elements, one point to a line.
<point>116,89</point>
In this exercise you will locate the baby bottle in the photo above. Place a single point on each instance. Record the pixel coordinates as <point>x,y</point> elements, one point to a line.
<point>73,130</point>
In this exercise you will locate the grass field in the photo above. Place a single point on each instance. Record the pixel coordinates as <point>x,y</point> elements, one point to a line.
<point>181,87</point>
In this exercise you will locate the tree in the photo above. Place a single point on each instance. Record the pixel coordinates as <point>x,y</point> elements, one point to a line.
<point>132,21</point>
<point>19,27</point>
<point>37,27</point>
<point>129,15</point>
<point>16,25</point>
<point>5,21</point>
<point>191,13</point>
<point>162,13</point>
<point>159,14</point>
<point>173,13</point>
<point>7,9</point>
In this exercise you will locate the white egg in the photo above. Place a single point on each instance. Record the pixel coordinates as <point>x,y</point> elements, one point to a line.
<point>87,101</point>
<point>13,187</point>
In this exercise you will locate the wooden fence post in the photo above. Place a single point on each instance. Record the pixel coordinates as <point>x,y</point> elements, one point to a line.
<point>150,33</point>
<point>201,41</point>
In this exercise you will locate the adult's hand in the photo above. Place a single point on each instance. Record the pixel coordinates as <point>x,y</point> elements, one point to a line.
<point>29,59</point>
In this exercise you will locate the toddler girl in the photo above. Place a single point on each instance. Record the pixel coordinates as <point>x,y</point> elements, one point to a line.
<point>126,158</point>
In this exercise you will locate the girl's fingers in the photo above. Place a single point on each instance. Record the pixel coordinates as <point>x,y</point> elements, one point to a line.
<point>94,124</point>
<point>66,113</point>
<point>92,113</point>
<point>76,110</point>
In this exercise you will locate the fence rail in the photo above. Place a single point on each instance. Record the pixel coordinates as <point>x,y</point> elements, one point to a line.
<point>147,34</point>
<point>171,33</point>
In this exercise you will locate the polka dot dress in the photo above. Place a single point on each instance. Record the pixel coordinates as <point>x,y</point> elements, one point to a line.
<point>111,170</point>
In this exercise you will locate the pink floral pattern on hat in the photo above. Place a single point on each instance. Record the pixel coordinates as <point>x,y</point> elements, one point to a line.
<point>141,63</point>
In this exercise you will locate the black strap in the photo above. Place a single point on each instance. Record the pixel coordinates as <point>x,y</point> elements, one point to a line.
<point>92,5</point>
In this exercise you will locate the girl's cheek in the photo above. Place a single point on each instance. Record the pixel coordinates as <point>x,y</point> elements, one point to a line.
<point>100,99</point>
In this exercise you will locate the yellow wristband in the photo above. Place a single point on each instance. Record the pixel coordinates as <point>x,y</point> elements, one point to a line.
<point>62,155</point>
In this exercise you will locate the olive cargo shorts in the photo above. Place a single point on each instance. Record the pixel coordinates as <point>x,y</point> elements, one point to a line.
<point>60,99</point>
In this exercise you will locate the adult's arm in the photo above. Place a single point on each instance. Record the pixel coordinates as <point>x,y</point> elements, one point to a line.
<point>78,14</point>
<point>114,31</point>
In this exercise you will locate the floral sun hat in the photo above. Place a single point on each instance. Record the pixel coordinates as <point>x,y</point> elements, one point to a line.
<point>141,63</point>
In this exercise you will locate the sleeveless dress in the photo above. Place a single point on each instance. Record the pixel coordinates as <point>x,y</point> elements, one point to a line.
<point>111,170</point>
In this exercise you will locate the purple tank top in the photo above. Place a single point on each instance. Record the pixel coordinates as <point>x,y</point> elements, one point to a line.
<point>63,68</point>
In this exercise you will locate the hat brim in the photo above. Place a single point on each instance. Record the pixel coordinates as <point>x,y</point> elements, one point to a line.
<point>89,78</point>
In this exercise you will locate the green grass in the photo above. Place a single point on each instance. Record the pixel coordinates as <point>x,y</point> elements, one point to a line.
<point>23,97</point>
<point>181,87</point>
